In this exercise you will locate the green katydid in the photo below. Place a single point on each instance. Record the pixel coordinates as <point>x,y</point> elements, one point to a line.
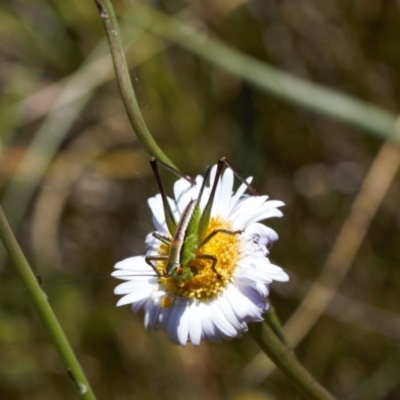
<point>188,233</point>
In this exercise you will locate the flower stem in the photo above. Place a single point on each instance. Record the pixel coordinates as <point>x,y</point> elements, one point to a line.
<point>272,319</point>
<point>287,362</point>
<point>110,23</point>
<point>44,310</point>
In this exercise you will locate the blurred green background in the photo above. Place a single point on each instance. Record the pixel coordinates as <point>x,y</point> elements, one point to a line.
<point>75,183</point>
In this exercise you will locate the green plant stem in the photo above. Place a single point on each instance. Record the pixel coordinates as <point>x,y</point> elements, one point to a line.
<point>44,310</point>
<point>272,319</point>
<point>107,15</point>
<point>287,362</point>
<point>281,84</point>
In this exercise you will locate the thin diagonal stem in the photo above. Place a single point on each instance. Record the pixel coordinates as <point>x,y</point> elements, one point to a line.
<point>109,19</point>
<point>271,318</point>
<point>287,362</point>
<point>43,308</point>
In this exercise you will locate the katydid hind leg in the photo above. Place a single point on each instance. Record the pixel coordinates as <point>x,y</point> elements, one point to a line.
<point>240,177</point>
<point>155,161</point>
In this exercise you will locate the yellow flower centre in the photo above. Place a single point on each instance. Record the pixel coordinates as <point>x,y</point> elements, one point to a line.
<point>206,282</point>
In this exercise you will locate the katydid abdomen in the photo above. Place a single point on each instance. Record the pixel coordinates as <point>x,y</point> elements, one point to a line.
<point>184,243</point>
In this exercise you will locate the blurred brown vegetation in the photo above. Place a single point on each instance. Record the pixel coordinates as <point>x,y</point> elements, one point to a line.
<point>89,209</point>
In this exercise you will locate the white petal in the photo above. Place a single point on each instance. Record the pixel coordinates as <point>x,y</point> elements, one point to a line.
<point>227,307</point>
<point>245,210</point>
<point>248,276</point>
<point>183,323</point>
<point>152,310</point>
<point>143,277</point>
<point>194,324</point>
<point>275,203</point>
<point>277,273</point>
<point>173,321</point>
<point>206,193</point>
<point>265,234</point>
<point>134,286</point>
<point>207,326</point>
<point>220,321</point>
<point>212,174</point>
<point>251,295</point>
<point>139,305</point>
<point>152,243</point>
<point>133,298</point>
<point>262,289</point>
<point>132,265</point>
<point>235,198</point>
<point>184,192</point>
<point>265,214</point>
<point>157,210</point>
<point>244,308</point>
<point>253,209</point>
<point>164,316</point>
<point>151,316</point>
<point>223,195</point>
<point>264,266</point>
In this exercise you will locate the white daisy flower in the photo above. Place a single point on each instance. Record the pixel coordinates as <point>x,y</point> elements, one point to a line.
<point>214,303</point>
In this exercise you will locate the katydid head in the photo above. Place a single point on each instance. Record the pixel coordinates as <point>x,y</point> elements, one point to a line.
<point>181,273</point>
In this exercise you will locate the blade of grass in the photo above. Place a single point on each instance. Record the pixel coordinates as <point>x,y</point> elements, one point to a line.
<point>301,92</point>
<point>18,81</point>
<point>43,308</point>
